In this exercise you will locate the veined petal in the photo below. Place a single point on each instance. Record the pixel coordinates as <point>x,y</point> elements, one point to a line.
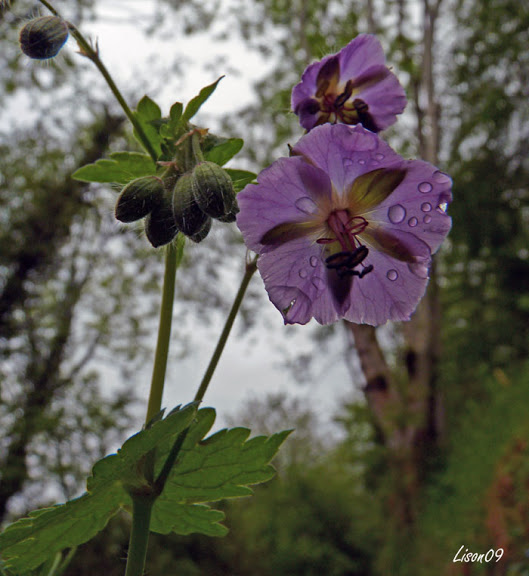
<point>372,188</point>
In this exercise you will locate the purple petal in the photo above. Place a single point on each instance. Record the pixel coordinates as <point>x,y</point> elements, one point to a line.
<point>290,190</point>
<point>360,54</point>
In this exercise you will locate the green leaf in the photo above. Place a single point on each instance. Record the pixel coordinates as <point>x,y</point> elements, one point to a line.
<point>223,152</point>
<point>222,466</point>
<point>195,103</point>
<point>149,115</point>
<point>31,541</point>
<point>121,168</point>
<point>240,178</point>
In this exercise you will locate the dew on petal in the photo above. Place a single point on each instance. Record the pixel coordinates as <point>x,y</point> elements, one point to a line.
<point>425,187</point>
<point>303,273</point>
<point>396,213</point>
<point>318,283</point>
<point>442,207</point>
<point>392,275</point>
<point>379,156</point>
<point>427,219</point>
<point>313,261</point>
<point>426,207</point>
<point>413,222</point>
<point>420,269</point>
<point>347,163</point>
<point>306,205</point>
<point>361,161</point>
<point>441,177</point>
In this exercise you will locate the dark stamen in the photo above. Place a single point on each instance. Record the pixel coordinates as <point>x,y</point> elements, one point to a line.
<point>345,95</point>
<point>344,262</point>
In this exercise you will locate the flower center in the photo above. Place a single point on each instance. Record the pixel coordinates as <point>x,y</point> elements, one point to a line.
<point>345,230</point>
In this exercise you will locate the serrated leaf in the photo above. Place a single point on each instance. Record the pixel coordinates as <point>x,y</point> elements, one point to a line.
<point>225,151</point>
<point>222,466</point>
<point>148,114</point>
<point>122,167</point>
<point>240,178</point>
<point>184,519</point>
<point>195,103</point>
<point>29,542</point>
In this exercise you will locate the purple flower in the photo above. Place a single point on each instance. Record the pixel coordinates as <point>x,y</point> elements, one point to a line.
<point>353,86</point>
<point>345,227</point>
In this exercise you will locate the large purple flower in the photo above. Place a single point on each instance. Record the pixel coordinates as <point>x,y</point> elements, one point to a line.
<point>353,86</point>
<point>345,228</point>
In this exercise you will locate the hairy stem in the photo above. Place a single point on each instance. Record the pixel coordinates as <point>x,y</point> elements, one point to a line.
<point>251,267</point>
<point>87,50</point>
<point>139,535</point>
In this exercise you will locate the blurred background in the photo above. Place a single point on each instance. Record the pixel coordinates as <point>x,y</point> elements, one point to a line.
<point>411,440</point>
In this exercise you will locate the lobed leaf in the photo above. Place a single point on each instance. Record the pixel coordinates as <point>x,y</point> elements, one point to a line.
<point>122,167</point>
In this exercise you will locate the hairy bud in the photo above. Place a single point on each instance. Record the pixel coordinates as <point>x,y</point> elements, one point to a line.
<point>202,233</point>
<point>188,216</point>
<point>213,189</point>
<point>139,198</point>
<point>160,226</point>
<point>43,37</point>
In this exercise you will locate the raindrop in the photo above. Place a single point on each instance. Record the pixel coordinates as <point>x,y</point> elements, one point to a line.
<point>441,177</point>
<point>313,261</point>
<point>392,275</point>
<point>379,156</point>
<point>318,283</point>
<point>442,207</point>
<point>306,205</point>
<point>425,187</point>
<point>426,207</point>
<point>396,213</point>
<point>361,161</point>
<point>347,163</point>
<point>413,222</point>
<point>303,273</point>
<point>420,269</point>
<point>427,219</point>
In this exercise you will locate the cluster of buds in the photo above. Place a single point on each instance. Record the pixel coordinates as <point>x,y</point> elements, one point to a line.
<point>186,205</point>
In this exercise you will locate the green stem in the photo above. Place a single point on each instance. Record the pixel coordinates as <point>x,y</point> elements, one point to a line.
<point>139,535</point>
<point>173,255</point>
<point>251,267</point>
<point>93,54</point>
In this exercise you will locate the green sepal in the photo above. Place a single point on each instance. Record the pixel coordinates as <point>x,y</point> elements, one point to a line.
<point>121,168</point>
<point>195,103</point>
<point>240,178</point>
<point>149,116</point>
<point>221,153</point>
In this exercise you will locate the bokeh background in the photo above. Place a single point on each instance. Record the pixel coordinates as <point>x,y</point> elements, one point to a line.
<point>411,440</point>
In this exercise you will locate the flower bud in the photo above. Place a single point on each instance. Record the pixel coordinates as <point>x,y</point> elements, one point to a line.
<point>230,216</point>
<point>43,37</point>
<point>213,189</point>
<point>138,198</point>
<point>202,233</point>
<point>188,216</point>
<point>160,226</point>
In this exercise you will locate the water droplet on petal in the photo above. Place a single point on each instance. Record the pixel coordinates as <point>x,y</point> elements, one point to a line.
<point>442,207</point>
<point>303,273</point>
<point>396,213</point>
<point>413,222</point>
<point>420,269</point>
<point>318,283</point>
<point>379,156</point>
<point>425,187</point>
<point>347,163</point>
<point>313,261</point>
<point>427,219</point>
<point>361,161</point>
<point>441,177</point>
<point>392,275</point>
<point>306,205</point>
<point>426,207</point>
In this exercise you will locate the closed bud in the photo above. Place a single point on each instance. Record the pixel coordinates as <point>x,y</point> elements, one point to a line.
<point>43,37</point>
<point>202,233</point>
<point>188,216</point>
<point>139,198</point>
<point>230,216</point>
<point>160,226</point>
<point>213,189</point>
